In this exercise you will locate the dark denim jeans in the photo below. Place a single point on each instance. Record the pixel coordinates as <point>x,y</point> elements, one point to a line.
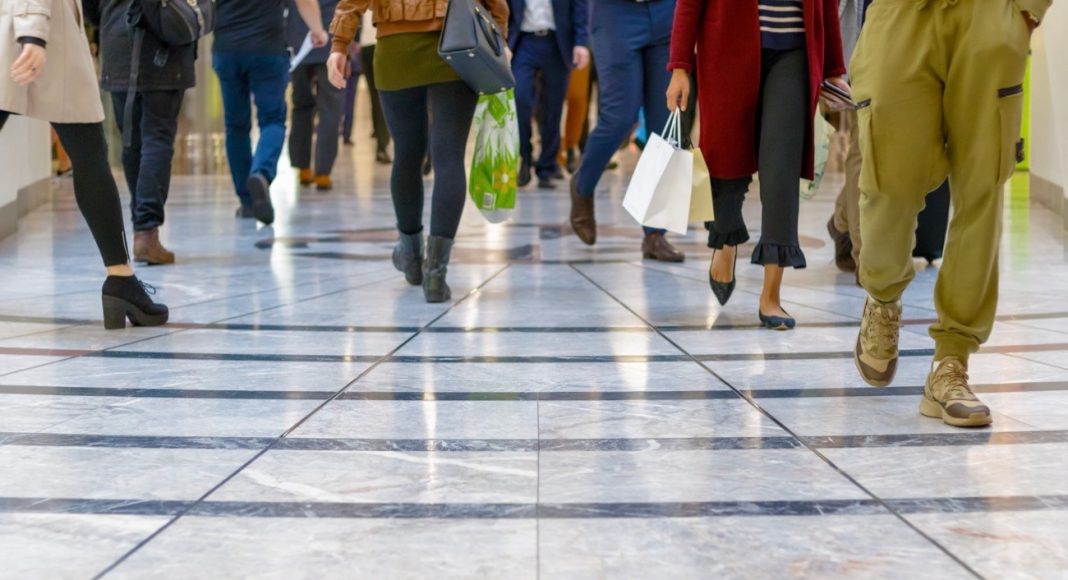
<point>245,77</point>
<point>147,161</point>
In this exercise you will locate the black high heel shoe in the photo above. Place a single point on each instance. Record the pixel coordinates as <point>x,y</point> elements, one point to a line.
<point>723,290</point>
<point>777,322</point>
<point>127,297</point>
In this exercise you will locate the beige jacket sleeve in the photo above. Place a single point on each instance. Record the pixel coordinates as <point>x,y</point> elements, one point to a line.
<point>32,18</point>
<point>1036,7</point>
<point>346,22</point>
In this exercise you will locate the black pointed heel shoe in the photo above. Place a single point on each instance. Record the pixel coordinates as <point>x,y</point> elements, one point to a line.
<point>777,322</point>
<point>723,290</point>
<point>126,297</point>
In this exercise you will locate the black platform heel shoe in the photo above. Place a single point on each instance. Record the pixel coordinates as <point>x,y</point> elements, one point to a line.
<point>127,297</point>
<point>777,322</point>
<point>408,257</point>
<point>435,267</point>
<point>723,290</point>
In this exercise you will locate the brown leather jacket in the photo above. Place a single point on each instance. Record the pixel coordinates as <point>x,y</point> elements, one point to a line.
<point>401,16</point>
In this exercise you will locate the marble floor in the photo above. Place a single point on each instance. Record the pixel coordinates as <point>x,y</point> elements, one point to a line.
<point>574,412</point>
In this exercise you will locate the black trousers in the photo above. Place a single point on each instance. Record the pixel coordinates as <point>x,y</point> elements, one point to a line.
<point>407,112</point>
<point>314,96</point>
<point>782,124</point>
<point>94,186</point>
<point>147,161</point>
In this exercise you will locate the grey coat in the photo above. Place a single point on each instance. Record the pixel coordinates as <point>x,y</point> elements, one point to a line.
<point>163,68</point>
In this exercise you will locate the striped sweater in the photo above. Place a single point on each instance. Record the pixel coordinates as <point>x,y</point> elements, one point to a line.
<point>782,24</point>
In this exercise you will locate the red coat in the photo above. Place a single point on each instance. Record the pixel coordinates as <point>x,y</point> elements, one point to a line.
<point>726,34</point>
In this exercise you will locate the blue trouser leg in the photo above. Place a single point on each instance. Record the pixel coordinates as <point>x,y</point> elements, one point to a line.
<point>268,78</point>
<point>525,69</point>
<point>556,75</point>
<point>237,111</point>
<point>618,33</point>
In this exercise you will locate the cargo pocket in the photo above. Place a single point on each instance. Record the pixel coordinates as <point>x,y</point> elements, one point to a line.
<point>869,173</point>
<point>1010,111</point>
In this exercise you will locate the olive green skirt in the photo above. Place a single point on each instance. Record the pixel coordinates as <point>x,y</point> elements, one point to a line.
<point>405,61</point>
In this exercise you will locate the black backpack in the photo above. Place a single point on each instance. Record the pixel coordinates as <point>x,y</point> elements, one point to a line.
<point>175,23</point>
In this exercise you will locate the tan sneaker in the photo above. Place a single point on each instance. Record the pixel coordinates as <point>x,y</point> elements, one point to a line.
<point>876,350</point>
<point>947,396</point>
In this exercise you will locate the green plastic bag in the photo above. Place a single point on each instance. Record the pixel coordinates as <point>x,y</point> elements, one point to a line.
<point>824,131</point>
<point>492,184</point>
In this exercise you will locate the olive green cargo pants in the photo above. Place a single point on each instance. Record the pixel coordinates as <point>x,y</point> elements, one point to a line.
<point>939,84</point>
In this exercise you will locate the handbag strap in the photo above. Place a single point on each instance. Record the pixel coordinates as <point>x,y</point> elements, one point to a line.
<point>131,89</point>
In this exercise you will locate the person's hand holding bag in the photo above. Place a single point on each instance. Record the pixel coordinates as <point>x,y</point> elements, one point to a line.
<point>29,64</point>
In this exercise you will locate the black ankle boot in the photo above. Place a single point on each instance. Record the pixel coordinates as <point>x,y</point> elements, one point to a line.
<point>127,297</point>
<point>408,257</point>
<point>438,251</point>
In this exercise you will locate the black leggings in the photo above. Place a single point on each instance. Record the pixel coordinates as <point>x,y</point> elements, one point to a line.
<point>94,186</point>
<point>453,107</point>
<point>783,123</point>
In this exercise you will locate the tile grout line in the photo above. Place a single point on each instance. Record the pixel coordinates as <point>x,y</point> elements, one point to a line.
<point>790,432</point>
<point>178,329</point>
<point>295,426</point>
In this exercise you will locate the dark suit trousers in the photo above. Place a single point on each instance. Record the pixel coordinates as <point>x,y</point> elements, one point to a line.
<point>539,57</point>
<point>146,163</point>
<point>314,96</point>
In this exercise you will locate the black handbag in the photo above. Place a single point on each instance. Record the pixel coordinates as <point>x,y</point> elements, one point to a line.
<point>472,45</point>
<point>175,23</point>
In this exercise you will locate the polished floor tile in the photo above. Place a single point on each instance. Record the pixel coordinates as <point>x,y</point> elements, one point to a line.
<point>573,411</point>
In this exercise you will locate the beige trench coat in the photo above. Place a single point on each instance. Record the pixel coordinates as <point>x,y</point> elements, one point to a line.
<point>67,90</point>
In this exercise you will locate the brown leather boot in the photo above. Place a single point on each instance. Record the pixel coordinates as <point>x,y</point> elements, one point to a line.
<point>148,249</point>
<point>583,220</point>
<point>656,247</point>
<point>843,248</point>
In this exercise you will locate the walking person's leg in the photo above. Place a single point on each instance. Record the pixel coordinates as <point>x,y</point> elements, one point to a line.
<point>378,119</point>
<point>97,196</point>
<point>407,113</point>
<point>525,68</point>
<point>352,87</point>
<point>237,114</point>
<point>159,129</point>
<point>784,122</point>
<point>268,78</point>
<point>556,75</point>
<point>328,106</point>
<point>656,76</point>
<point>454,108</point>
<point>303,122</point>
<point>616,39</point>
<point>578,110</point>
<point>898,83</point>
<point>844,225</point>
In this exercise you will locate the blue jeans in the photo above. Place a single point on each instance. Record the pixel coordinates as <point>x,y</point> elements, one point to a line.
<point>631,45</point>
<point>244,77</point>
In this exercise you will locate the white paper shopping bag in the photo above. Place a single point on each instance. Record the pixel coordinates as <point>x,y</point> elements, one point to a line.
<point>659,192</point>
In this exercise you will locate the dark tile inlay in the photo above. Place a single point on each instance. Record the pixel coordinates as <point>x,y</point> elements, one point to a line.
<point>239,509</point>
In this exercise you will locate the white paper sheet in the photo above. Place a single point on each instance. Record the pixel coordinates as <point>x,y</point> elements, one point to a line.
<point>305,50</point>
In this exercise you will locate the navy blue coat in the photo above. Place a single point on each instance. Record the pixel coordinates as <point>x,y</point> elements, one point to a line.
<point>572,25</point>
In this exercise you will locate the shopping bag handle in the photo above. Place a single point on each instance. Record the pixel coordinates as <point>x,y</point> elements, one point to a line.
<point>673,129</point>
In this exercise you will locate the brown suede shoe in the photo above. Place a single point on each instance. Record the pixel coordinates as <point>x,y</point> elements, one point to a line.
<point>583,220</point>
<point>656,247</point>
<point>147,248</point>
<point>306,176</point>
<point>323,183</point>
<point>843,248</point>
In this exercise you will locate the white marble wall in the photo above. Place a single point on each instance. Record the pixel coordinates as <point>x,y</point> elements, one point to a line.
<point>24,160</point>
<point>1049,124</point>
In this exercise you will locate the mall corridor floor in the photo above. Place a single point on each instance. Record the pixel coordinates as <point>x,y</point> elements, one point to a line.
<point>574,412</point>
